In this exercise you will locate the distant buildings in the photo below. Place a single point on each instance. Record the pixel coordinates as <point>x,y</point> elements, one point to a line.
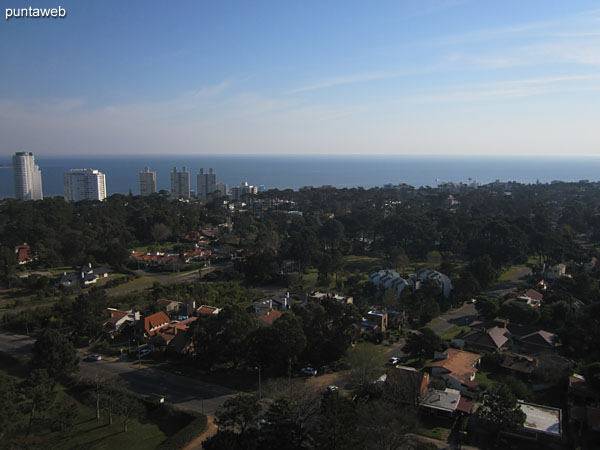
<point>237,192</point>
<point>222,189</point>
<point>27,176</point>
<point>207,184</point>
<point>147,182</point>
<point>84,184</point>
<point>180,183</point>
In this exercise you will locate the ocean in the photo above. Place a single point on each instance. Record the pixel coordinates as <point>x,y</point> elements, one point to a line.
<point>297,171</point>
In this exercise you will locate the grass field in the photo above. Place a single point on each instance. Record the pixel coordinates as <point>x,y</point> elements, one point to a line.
<point>454,332</point>
<point>137,284</point>
<point>89,433</point>
<point>511,272</point>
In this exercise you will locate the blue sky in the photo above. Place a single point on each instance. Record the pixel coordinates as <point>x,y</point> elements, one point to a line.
<point>302,77</point>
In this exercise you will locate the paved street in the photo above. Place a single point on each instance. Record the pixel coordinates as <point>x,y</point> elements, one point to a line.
<point>457,317</point>
<point>185,392</point>
<point>16,344</point>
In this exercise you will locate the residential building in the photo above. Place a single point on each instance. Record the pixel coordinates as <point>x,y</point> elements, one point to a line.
<point>542,423</point>
<point>180,183</point>
<point>207,184</point>
<point>85,276</point>
<point>440,403</point>
<point>24,254</point>
<point>376,320</point>
<point>221,188</point>
<point>147,182</point>
<point>27,177</point>
<point>155,322</point>
<point>456,367</point>
<point>84,184</point>
<point>117,319</point>
<point>407,385</point>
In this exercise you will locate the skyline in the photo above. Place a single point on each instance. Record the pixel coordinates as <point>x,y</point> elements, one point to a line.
<point>444,78</point>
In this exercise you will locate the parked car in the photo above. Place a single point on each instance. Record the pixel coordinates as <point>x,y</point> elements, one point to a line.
<point>92,357</point>
<point>145,352</point>
<point>309,371</point>
<point>394,360</point>
<point>332,388</point>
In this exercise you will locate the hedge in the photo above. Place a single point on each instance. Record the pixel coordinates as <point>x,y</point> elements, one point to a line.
<point>188,433</point>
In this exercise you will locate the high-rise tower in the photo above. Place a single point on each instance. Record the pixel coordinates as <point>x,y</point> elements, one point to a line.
<point>147,182</point>
<point>28,177</point>
<point>84,184</point>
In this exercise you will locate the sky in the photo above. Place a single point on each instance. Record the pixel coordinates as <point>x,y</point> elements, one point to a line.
<point>439,77</point>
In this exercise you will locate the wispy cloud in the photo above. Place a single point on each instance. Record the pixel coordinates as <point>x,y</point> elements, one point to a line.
<point>343,80</point>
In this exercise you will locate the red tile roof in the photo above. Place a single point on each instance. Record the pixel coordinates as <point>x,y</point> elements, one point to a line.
<point>270,317</point>
<point>459,363</point>
<point>465,405</point>
<point>155,322</point>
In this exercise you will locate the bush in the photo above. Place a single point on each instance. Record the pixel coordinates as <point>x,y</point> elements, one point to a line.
<point>188,433</point>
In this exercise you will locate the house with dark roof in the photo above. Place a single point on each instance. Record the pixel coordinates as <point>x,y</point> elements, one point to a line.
<point>519,364</point>
<point>487,337</point>
<point>85,276</point>
<point>456,367</point>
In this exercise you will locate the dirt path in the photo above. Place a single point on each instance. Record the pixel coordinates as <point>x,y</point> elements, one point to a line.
<point>211,430</point>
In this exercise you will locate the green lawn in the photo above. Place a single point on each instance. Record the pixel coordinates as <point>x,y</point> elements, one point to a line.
<point>138,283</point>
<point>454,332</point>
<point>487,377</point>
<point>439,433</point>
<point>163,248</point>
<point>511,272</point>
<point>363,264</point>
<point>434,322</point>
<point>89,433</point>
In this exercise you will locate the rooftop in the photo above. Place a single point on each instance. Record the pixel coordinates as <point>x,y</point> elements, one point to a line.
<point>542,419</point>
<point>443,400</point>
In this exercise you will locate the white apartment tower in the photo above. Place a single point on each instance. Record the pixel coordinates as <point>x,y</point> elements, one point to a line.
<point>207,184</point>
<point>147,182</point>
<point>180,183</point>
<point>28,177</point>
<point>84,184</point>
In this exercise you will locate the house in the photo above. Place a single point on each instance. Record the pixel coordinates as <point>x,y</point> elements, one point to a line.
<point>197,254</point>
<point>167,334</point>
<point>117,319</point>
<point>534,303</point>
<point>440,403</point>
<point>170,306</point>
<point>269,318</point>
<point>582,392</point>
<point>154,259</point>
<point>390,279</point>
<point>485,336</point>
<point>376,320</point>
<point>154,322</point>
<point>456,367</point>
<point>556,272</point>
<point>23,254</point>
<point>541,421</point>
<point>520,364</point>
<point>538,341</point>
<point>319,297</point>
<point>441,280</point>
<point>207,310</point>
<point>533,294</point>
<point>85,276</point>
<point>279,304</point>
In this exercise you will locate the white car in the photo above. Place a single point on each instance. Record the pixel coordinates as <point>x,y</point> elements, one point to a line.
<point>309,371</point>
<point>332,388</point>
<point>394,360</point>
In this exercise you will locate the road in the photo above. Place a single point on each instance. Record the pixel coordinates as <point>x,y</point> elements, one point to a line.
<point>184,392</point>
<point>457,317</point>
<point>16,344</point>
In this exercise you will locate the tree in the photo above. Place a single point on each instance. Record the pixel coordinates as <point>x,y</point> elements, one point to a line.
<point>434,258</point>
<point>483,271</point>
<point>65,412</point>
<point>55,353</point>
<point>237,413</point>
<point>39,389</point>
<point>467,286</point>
<point>518,312</point>
<point>422,344</point>
<point>337,425</point>
<point>128,407</point>
<point>8,404</point>
<point>487,307</point>
<point>365,361</point>
<point>500,410</point>
<point>398,258</point>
